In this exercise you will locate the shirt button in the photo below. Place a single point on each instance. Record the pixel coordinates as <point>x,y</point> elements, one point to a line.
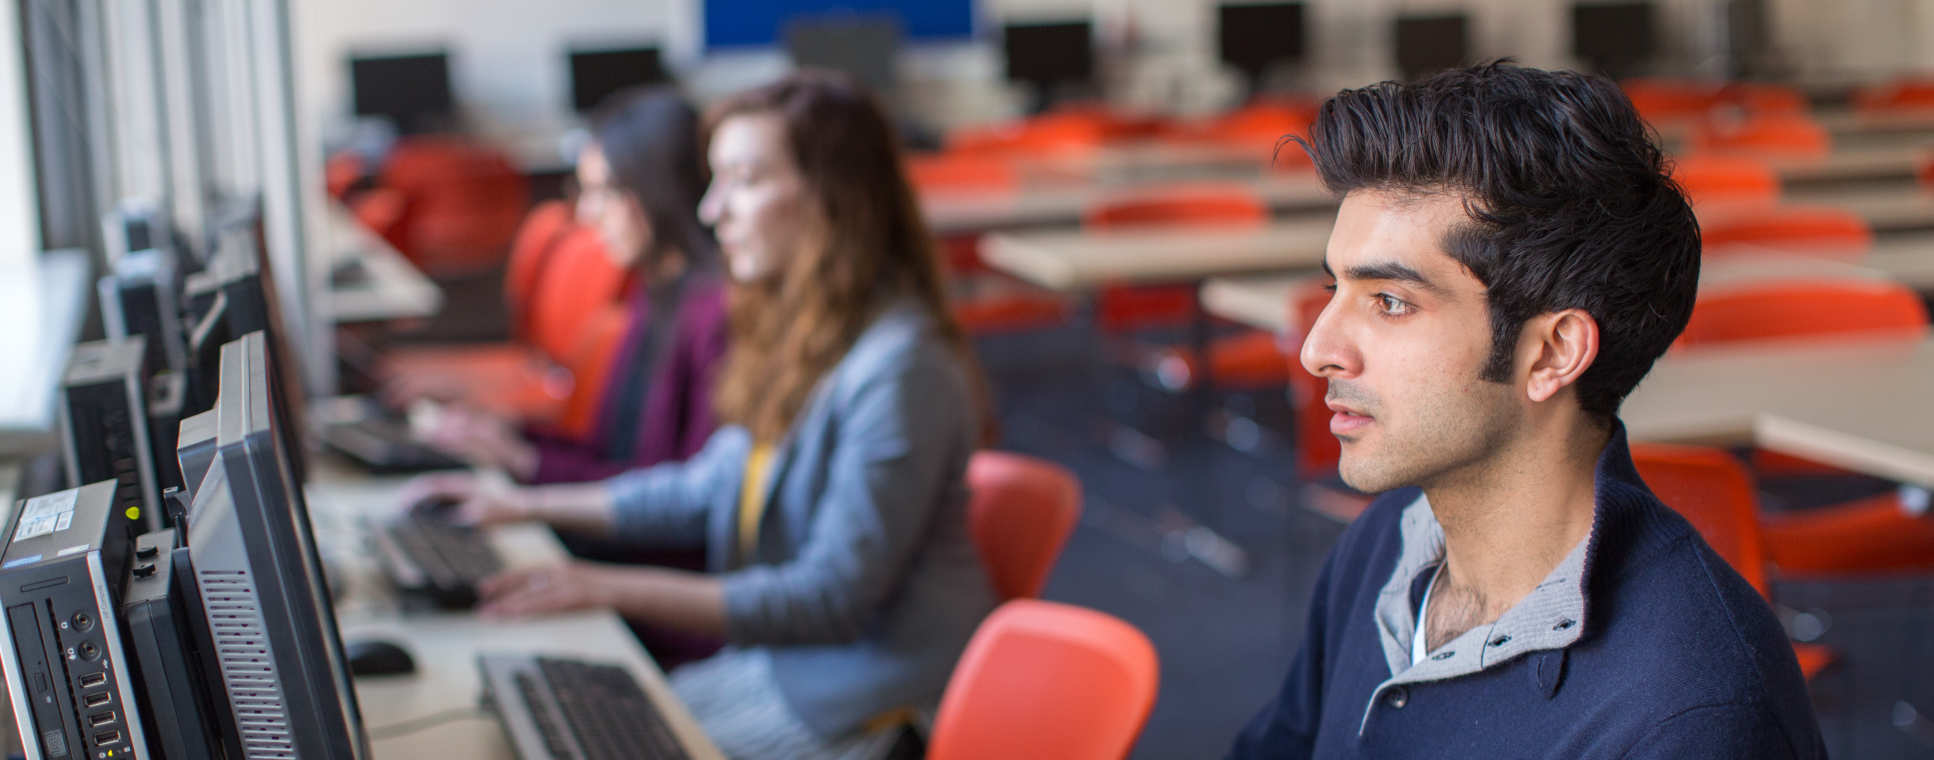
<point>1397,697</point>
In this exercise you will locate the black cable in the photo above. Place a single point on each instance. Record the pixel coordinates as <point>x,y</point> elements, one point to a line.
<point>413,725</point>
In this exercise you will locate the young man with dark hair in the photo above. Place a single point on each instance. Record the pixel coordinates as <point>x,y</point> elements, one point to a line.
<point>1509,259</point>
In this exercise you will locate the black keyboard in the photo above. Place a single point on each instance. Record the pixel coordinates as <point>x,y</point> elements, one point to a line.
<point>425,553</point>
<point>565,709</point>
<point>383,444</point>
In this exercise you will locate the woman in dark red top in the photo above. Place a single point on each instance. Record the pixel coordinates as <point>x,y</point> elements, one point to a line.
<point>639,181</point>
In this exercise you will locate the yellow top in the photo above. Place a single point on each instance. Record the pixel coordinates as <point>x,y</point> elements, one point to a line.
<point>758,465</point>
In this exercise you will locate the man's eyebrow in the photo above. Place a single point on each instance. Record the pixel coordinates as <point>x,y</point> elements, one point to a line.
<point>1390,270</point>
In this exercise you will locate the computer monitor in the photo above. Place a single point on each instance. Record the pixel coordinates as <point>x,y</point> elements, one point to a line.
<point>411,91</point>
<point>596,74</point>
<point>1254,38</point>
<point>1427,44</point>
<point>1613,38</point>
<point>861,46</point>
<point>235,296</point>
<point>1048,55</point>
<point>260,581</point>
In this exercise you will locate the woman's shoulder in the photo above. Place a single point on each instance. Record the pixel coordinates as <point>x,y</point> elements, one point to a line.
<point>902,339</point>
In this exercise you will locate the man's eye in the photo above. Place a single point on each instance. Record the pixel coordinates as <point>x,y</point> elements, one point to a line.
<point>1391,305</point>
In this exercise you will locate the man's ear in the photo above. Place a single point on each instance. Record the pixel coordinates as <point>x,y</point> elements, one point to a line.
<point>1561,346</point>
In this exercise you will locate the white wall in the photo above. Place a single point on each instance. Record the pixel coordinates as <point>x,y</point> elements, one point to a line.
<point>508,68</point>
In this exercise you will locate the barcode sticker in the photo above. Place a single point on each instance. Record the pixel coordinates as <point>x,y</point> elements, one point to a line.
<point>47,514</point>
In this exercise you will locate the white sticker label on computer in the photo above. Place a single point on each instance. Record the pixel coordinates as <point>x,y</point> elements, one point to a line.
<point>47,514</point>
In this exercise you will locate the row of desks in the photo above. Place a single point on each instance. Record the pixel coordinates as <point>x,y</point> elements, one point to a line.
<point>1127,171</point>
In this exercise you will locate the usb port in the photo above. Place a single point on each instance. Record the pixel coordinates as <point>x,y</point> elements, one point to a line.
<point>100,719</point>
<point>91,680</point>
<point>97,700</point>
<point>107,738</point>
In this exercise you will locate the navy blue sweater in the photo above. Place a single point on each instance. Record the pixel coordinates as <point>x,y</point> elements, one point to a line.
<point>1678,657</point>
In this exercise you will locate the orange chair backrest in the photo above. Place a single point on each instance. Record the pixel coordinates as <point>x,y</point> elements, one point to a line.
<point>1904,95</point>
<point>1317,451</point>
<point>578,280</point>
<point>1713,491</point>
<point>341,171</point>
<point>1179,206</point>
<point>1791,309</point>
<point>956,172</point>
<point>589,362</point>
<point>1048,680</point>
<point>1772,134</point>
<point>1762,98</point>
<point>536,238</point>
<point>1726,180</point>
<point>1662,101</point>
<point>1802,229</point>
<point>1020,511</point>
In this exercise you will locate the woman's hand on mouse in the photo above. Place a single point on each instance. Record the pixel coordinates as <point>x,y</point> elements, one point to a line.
<point>526,592</point>
<point>478,501</point>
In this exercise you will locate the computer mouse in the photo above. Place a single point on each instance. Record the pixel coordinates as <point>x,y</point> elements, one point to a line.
<point>436,508</point>
<point>375,657</point>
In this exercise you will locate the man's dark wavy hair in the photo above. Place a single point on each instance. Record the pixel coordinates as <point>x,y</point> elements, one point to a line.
<point>1567,193</point>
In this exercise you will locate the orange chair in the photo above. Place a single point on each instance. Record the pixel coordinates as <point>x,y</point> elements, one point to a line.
<point>589,366</point>
<point>1020,511</point>
<point>1785,135</point>
<point>1791,308</point>
<point>1262,124</point>
<point>1714,493</point>
<point>1865,536</point>
<point>1763,98</point>
<point>530,250</point>
<point>1730,181</point>
<point>1666,101</point>
<point>532,379</point>
<point>1903,95</point>
<point>1041,679</point>
<point>1119,308</point>
<point>341,171</point>
<point>1816,230</point>
<point>465,202</point>
<point>961,172</point>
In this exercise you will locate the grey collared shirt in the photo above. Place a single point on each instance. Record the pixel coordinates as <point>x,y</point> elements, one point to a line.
<point>1550,617</point>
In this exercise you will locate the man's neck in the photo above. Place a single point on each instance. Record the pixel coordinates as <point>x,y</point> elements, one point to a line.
<point>1510,521</point>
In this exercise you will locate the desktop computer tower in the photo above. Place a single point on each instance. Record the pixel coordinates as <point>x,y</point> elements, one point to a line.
<point>159,615</point>
<point>140,298</point>
<point>103,416</point>
<point>65,561</point>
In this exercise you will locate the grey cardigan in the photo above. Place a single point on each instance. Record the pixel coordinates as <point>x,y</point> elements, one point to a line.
<point>865,584</point>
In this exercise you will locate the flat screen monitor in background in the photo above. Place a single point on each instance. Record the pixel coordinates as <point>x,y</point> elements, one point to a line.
<point>861,46</point>
<point>597,73</point>
<point>282,680</point>
<point>1613,39</point>
<point>411,91</point>
<point>237,295</point>
<point>1427,44</point>
<point>1255,38</point>
<point>1049,55</point>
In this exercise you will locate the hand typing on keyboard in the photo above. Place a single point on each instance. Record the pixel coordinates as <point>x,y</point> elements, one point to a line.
<point>467,499</point>
<point>557,588</point>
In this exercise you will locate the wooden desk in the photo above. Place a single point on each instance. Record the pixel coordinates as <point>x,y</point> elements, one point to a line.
<point>1079,261</point>
<point>390,287</point>
<point>445,645</point>
<point>1062,205</point>
<point>1851,402</point>
<point>1853,164</point>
